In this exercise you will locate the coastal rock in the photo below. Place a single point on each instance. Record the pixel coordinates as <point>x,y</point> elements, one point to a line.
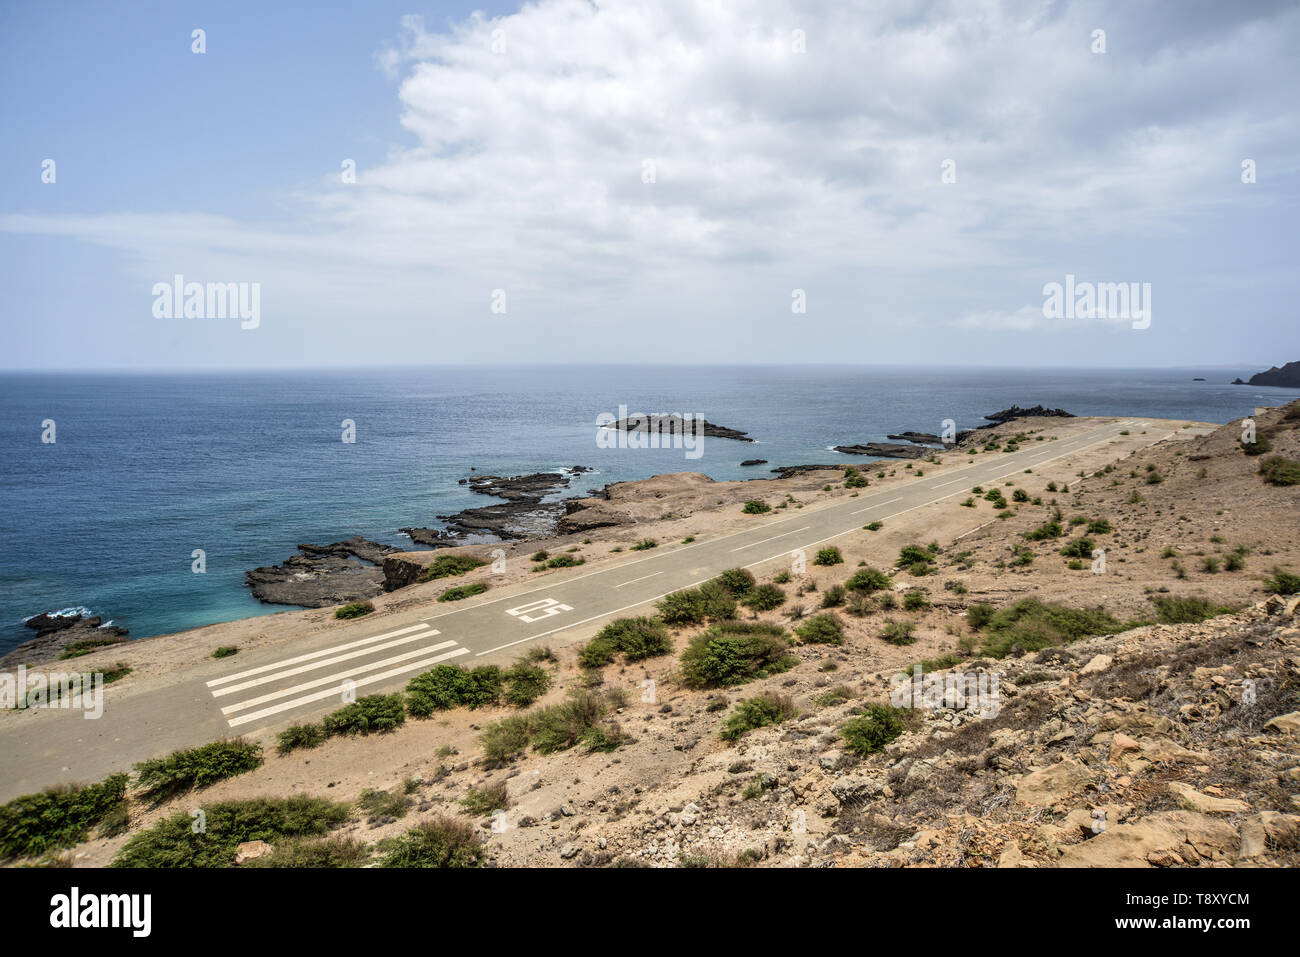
<point>55,632</point>
<point>322,575</point>
<point>790,471</point>
<point>668,425</point>
<point>523,514</point>
<point>1015,412</point>
<point>922,438</point>
<point>749,462</point>
<point>889,450</point>
<point>1287,376</point>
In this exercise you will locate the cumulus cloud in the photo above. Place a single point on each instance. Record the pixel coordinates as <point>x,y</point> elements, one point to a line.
<point>690,164</point>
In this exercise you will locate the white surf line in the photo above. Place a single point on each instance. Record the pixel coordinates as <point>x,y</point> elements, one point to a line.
<point>325,662</point>
<point>641,579</point>
<point>877,505</point>
<point>772,539</point>
<point>317,682</point>
<point>314,654</point>
<point>331,692</point>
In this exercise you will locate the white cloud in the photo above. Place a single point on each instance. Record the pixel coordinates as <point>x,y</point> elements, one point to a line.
<point>773,169</point>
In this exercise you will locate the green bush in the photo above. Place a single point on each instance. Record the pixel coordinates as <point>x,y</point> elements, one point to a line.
<point>979,614</point>
<point>1099,526</point>
<point>764,597</point>
<point>1261,445</point>
<point>173,842</point>
<point>868,580</point>
<point>450,686</point>
<point>1079,548</point>
<point>828,556</point>
<point>566,561</point>
<point>833,596</point>
<point>732,653</point>
<point>823,629</point>
<point>376,713</point>
<point>1280,471</point>
<point>523,683</point>
<point>225,651</point>
<point>693,606</point>
<point>634,638</point>
<point>1034,625</point>
<point>645,545</point>
<point>916,600</point>
<point>314,854</point>
<point>1283,582</point>
<point>912,554</point>
<point>61,817</point>
<point>1046,530</point>
<point>756,508</point>
<point>481,801</point>
<point>561,726</point>
<point>180,771</point>
<point>767,709</point>
<point>738,581</point>
<point>356,609</point>
<point>379,804</point>
<point>443,842</point>
<point>85,646</point>
<point>872,731</point>
<point>506,739</point>
<point>457,592</point>
<point>1173,611</point>
<point>445,566</point>
<point>898,632</point>
<point>299,736</point>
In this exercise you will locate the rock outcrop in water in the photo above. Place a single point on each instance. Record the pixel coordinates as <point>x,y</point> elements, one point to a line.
<point>55,632</point>
<point>523,514</point>
<point>667,425</point>
<point>322,575</point>
<point>889,450</point>
<point>1015,412</point>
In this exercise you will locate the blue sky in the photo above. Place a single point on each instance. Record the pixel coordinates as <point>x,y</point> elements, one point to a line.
<point>793,147</point>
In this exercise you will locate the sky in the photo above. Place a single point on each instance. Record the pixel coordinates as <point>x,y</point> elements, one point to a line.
<point>749,181</point>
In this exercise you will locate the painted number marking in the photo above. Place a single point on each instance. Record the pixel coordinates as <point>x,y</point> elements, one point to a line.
<point>537,610</point>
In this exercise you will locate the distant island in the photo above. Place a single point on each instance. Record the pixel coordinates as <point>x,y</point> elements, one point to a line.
<point>1288,376</point>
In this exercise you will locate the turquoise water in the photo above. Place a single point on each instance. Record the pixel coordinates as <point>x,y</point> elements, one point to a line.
<point>147,468</point>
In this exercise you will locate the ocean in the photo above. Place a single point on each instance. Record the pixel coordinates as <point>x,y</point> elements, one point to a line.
<point>146,468</point>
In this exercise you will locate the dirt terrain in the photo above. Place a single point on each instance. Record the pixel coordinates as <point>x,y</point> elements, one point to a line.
<point>1160,745</point>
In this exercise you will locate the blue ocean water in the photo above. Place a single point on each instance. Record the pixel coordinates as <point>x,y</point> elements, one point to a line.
<point>148,467</point>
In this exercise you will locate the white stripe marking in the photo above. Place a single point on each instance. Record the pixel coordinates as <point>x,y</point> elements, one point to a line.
<point>772,539</point>
<point>331,692</point>
<point>276,676</point>
<point>641,579</point>
<point>877,505</point>
<point>314,654</point>
<point>317,682</point>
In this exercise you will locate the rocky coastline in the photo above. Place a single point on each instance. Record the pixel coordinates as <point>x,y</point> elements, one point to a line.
<point>1287,376</point>
<point>56,632</point>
